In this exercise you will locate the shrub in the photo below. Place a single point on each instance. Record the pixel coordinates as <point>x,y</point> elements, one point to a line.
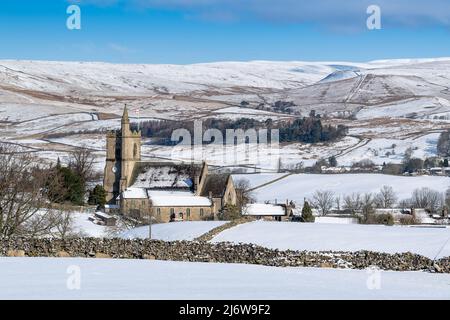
<point>230,212</point>
<point>97,196</point>
<point>384,218</point>
<point>307,215</point>
<point>332,161</point>
<point>409,220</point>
<point>65,185</point>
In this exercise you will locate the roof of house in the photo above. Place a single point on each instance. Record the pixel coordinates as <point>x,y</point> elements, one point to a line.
<point>215,184</point>
<point>173,198</point>
<point>166,175</point>
<point>262,209</point>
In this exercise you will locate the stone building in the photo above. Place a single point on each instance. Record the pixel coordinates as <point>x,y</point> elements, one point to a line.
<point>123,152</point>
<point>166,190</point>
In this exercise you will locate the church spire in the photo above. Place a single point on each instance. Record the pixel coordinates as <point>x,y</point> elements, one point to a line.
<point>125,115</point>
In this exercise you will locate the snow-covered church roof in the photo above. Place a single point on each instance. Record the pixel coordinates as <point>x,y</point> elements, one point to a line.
<point>166,175</point>
<point>172,198</point>
<point>167,198</point>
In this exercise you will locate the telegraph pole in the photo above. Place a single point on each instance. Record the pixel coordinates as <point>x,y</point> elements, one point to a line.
<point>149,225</point>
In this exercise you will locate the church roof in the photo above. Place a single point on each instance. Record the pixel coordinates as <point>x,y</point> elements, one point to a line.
<point>166,175</point>
<point>215,184</point>
<point>175,198</point>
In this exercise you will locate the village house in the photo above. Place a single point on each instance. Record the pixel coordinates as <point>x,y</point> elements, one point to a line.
<point>167,191</point>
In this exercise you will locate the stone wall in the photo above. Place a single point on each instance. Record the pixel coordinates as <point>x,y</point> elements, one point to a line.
<point>219,252</point>
<point>215,231</point>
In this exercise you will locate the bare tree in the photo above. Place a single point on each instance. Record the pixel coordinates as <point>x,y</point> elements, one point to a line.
<point>427,199</point>
<point>244,195</point>
<point>386,198</point>
<point>405,204</point>
<point>323,200</point>
<point>123,224</point>
<point>65,225</point>
<point>338,202</point>
<point>353,202</point>
<point>81,161</point>
<point>367,205</point>
<point>24,205</point>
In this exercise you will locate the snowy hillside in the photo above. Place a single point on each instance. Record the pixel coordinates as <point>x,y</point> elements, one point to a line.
<point>50,107</point>
<point>63,77</point>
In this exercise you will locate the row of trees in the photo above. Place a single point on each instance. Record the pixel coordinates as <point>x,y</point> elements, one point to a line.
<point>431,200</point>
<point>308,129</point>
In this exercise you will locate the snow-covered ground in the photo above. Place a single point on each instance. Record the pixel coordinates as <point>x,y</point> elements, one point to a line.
<point>299,186</point>
<point>430,242</point>
<point>186,230</point>
<point>391,150</point>
<point>172,231</point>
<point>86,227</point>
<point>415,108</point>
<point>55,278</point>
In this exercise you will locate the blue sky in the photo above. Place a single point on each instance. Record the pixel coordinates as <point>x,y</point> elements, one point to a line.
<point>191,31</point>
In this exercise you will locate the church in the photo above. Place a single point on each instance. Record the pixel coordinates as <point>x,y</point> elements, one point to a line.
<point>166,191</point>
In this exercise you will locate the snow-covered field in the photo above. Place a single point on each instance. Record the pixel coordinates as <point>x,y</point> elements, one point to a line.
<point>48,278</point>
<point>299,186</point>
<point>418,108</point>
<point>183,230</point>
<point>389,150</point>
<point>429,242</point>
<point>186,230</point>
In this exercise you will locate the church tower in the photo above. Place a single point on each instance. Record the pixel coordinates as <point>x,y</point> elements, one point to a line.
<point>123,151</point>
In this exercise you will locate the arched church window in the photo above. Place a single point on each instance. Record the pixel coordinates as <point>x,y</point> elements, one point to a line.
<point>135,151</point>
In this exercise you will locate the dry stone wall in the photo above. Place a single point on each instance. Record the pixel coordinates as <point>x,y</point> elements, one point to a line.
<point>215,252</point>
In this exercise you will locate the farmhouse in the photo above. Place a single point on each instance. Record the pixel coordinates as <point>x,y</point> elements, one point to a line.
<point>167,191</point>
